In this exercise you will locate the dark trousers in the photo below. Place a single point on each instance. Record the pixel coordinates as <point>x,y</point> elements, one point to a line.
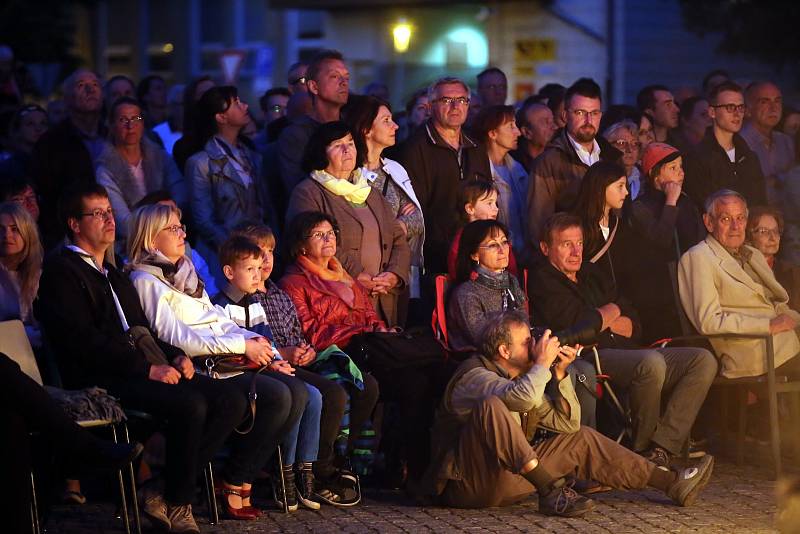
<point>26,407</point>
<point>682,373</point>
<point>492,451</point>
<point>279,405</point>
<point>199,414</point>
<point>334,398</point>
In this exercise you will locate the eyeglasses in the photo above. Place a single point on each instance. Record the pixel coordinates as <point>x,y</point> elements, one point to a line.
<point>128,122</point>
<point>449,101</point>
<point>323,236</point>
<point>582,113</point>
<point>100,214</point>
<point>277,108</point>
<point>768,232</point>
<point>302,80</point>
<point>496,246</point>
<point>731,108</point>
<point>176,229</point>
<point>626,146</point>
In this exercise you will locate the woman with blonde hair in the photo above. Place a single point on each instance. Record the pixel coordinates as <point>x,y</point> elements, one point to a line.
<point>20,266</point>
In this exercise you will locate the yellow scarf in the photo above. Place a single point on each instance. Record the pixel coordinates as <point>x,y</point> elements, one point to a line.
<point>356,191</point>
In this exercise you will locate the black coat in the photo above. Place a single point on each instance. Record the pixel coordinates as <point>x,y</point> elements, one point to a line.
<point>560,303</point>
<point>436,174</point>
<point>658,235</point>
<point>708,169</point>
<point>80,321</point>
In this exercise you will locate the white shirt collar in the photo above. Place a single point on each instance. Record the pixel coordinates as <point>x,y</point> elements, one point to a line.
<point>589,158</point>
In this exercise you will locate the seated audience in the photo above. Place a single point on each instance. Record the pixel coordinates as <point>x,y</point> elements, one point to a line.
<point>566,291</point>
<point>481,453</point>
<point>20,268</point>
<point>664,223</point>
<point>372,245</point>
<point>727,287</point>
<point>191,141</point>
<point>133,166</point>
<point>764,231</point>
<point>102,338</point>
<point>484,287</point>
<point>180,313</point>
<point>374,132</point>
<point>496,128</point>
<point>478,202</point>
<point>241,261</point>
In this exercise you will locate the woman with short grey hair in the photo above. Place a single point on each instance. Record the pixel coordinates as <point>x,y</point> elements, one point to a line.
<point>624,135</point>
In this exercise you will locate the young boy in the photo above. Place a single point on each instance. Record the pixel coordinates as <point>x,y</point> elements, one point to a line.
<point>478,201</point>
<point>292,345</point>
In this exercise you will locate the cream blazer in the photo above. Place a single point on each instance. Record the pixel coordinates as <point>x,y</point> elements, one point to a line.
<point>719,297</point>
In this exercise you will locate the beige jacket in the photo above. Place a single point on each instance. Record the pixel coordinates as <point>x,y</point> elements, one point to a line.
<point>719,297</point>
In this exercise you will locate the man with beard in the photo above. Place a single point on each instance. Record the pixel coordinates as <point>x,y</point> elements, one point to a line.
<point>723,160</point>
<point>657,101</point>
<point>557,173</point>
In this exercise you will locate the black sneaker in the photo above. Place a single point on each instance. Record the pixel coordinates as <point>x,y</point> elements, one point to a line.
<point>291,491</point>
<point>690,481</point>
<point>331,492</point>
<point>659,456</point>
<point>305,489</point>
<point>564,501</point>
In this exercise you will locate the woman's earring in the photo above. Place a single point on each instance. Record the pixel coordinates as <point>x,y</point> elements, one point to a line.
<point>303,251</point>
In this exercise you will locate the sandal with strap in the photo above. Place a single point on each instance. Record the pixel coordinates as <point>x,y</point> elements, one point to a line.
<point>247,494</point>
<point>244,513</point>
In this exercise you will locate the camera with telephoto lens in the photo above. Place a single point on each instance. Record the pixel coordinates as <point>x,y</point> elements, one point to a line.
<point>582,333</point>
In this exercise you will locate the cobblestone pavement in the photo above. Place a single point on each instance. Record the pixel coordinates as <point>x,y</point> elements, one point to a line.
<point>738,499</point>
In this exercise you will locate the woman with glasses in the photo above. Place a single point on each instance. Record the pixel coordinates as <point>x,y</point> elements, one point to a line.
<point>624,136</point>
<point>180,313</point>
<point>372,244</point>
<point>132,166</point>
<point>764,231</point>
<point>665,223</point>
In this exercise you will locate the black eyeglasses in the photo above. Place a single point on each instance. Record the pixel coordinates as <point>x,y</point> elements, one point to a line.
<point>731,108</point>
<point>301,80</point>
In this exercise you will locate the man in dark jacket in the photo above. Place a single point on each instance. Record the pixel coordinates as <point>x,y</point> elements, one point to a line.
<point>93,320</point>
<point>566,292</point>
<point>482,455</point>
<point>438,157</point>
<point>557,173</point>
<point>328,83</point>
<point>723,159</point>
<point>65,155</point>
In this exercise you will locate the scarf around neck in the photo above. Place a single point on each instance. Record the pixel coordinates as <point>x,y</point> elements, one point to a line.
<point>333,277</point>
<point>513,296</point>
<point>182,275</point>
<point>356,191</point>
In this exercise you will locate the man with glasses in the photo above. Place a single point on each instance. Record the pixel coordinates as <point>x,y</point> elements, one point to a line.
<point>556,174</point>
<point>775,149</point>
<point>723,159</point>
<point>68,152</point>
<point>728,287</point>
<point>328,83</point>
<point>438,157</point>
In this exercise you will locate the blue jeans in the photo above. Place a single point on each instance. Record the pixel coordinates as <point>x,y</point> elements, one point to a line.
<point>301,442</point>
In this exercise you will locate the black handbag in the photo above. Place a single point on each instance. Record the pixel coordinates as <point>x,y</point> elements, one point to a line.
<point>388,351</point>
<point>218,364</point>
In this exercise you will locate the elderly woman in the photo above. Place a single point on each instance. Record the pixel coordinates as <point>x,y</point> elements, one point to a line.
<point>624,136</point>
<point>181,314</point>
<point>764,231</point>
<point>132,166</point>
<point>374,131</point>
<point>372,244</point>
<point>485,287</point>
<point>20,267</point>
<point>335,309</point>
<point>665,223</point>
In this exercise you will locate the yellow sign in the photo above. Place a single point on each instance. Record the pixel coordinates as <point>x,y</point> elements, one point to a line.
<point>535,50</point>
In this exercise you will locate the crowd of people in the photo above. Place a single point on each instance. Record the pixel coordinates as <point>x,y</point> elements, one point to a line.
<point>154,232</point>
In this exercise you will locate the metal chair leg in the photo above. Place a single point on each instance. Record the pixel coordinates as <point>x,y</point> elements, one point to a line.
<point>775,432</point>
<point>34,508</point>
<point>136,516</point>
<point>283,481</point>
<point>741,408</point>
<point>123,500</point>
<point>213,512</point>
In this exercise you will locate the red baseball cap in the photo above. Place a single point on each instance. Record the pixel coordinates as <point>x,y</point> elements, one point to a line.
<point>656,153</point>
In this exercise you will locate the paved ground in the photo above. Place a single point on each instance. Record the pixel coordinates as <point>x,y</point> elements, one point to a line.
<point>737,500</point>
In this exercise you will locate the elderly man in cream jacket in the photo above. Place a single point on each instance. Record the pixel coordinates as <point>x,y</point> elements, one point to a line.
<point>726,287</point>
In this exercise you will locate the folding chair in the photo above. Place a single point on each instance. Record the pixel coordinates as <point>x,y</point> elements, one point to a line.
<point>14,343</point>
<point>606,391</point>
<point>768,383</point>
